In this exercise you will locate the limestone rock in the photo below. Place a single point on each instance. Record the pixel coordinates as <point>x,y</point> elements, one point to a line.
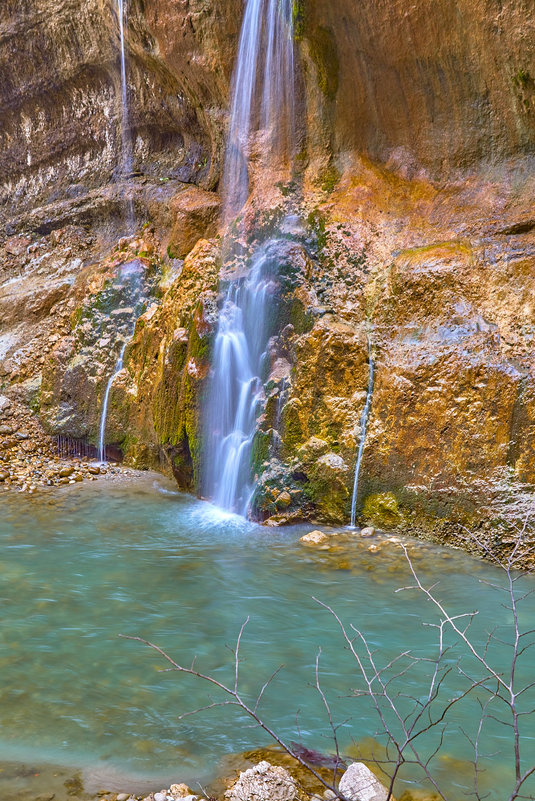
<point>283,500</point>
<point>196,216</point>
<point>314,538</point>
<point>264,782</point>
<point>359,784</point>
<point>180,790</point>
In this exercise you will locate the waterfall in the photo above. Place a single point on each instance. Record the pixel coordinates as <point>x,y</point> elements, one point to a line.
<point>126,166</point>
<point>104,412</point>
<point>262,96</point>
<point>363,426</point>
<point>261,121</point>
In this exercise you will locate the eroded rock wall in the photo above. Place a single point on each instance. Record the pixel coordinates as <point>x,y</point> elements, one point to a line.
<point>436,86</point>
<point>60,97</point>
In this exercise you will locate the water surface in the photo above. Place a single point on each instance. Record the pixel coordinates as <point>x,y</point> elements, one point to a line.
<point>89,563</point>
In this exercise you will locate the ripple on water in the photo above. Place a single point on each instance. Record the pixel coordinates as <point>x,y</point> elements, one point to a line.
<point>83,567</point>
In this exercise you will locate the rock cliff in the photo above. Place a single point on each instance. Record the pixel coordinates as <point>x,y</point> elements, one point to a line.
<point>409,222</point>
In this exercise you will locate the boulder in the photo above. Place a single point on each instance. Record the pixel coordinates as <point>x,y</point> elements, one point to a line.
<point>314,538</point>
<point>359,784</point>
<point>264,782</point>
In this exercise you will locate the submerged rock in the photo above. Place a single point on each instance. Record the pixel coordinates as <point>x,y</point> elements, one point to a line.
<point>314,538</point>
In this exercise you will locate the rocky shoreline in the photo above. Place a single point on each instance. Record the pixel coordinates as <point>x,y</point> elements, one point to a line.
<point>29,458</point>
<point>281,779</point>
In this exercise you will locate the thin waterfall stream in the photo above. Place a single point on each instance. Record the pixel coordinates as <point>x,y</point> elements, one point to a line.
<point>262,115</point>
<point>105,402</point>
<point>363,429</point>
<point>126,165</point>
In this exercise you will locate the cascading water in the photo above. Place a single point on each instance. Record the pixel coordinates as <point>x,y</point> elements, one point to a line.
<point>262,116</point>
<point>262,97</point>
<point>129,290</point>
<point>363,427</point>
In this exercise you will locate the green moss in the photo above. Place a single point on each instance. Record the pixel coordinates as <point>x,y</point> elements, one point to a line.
<point>286,189</point>
<point>76,317</point>
<point>328,179</point>
<point>298,18</point>
<point>324,53</point>
<point>316,221</point>
<point>172,252</point>
<point>522,78</point>
<point>200,347</point>
<point>299,317</point>
<point>383,511</point>
<point>260,451</point>
<point>291,425</point>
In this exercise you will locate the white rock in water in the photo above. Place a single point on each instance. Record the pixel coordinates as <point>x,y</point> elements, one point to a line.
<point>160,796</point>
<point>359,784</point>
<point>123,796</point>
<point>369,531</point>
<point>264,782</point>
<point>314,538</point>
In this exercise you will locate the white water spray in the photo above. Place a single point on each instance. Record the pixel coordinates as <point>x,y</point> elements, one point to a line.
<point>262,113</point>
<point>363,427</point>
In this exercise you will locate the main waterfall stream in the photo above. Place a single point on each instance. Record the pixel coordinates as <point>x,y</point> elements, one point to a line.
<point>88,563</point>
<point>262,115</point>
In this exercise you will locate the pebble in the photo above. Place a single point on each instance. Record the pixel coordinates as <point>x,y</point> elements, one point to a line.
<point>123,797</point>
<point>160,796</point>
<point>369,531</point>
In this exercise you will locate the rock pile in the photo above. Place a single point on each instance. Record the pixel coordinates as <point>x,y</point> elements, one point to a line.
<point>28,458</point>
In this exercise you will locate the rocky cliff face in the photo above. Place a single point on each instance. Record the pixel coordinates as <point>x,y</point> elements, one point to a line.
<point>60,94</point>
<point>411,223</point>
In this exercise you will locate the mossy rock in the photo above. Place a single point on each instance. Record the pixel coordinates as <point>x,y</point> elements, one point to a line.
<point>324,53</point>
<point>328,179</point>
<point>292,430</point>
<point>260,450</point>
<point>382,509</point>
